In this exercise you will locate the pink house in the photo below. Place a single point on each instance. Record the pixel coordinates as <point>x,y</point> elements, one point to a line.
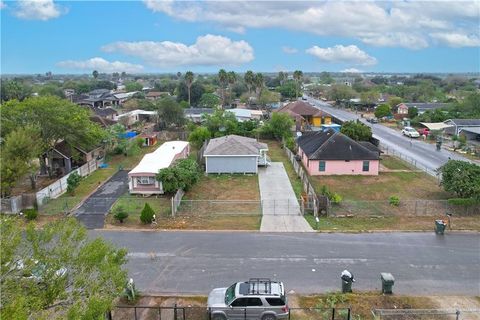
<point>333,153</point>
<point>401,108</point>
<point>141,180</point>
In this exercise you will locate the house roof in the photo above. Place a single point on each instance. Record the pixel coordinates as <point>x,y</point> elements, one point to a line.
<point>160,158</point>
<point>464,122</point>
<point>471,129</point>
<point>332,145</point>
<point>155,94</point>
<point>104,122</point>
<point>233,145</point>
<point>105,112</point>
<point>436,125</point>
<point>198,111</point>
<point>301,108</point>
<point>426,105</point>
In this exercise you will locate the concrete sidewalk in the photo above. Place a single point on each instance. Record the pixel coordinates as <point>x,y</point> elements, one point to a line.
<point>280,208</point>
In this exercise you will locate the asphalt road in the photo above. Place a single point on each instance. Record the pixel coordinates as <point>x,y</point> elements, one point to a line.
<point>93,211</point>
<point>196,262</point>
<point>426,156</point>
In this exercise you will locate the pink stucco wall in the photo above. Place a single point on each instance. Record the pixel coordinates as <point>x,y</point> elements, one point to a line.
<point>339,167</point>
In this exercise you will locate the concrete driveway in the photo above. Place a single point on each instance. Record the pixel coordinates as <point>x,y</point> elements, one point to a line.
<point>280,208</point>
<point>93,211</point>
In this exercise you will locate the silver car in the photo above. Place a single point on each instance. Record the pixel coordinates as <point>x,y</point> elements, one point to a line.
<point>257,298</point>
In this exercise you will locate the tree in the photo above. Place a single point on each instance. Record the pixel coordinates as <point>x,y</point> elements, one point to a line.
<point>279,126</point>
<point>56,119</point>
<point>95,74</point>
<point>73,181</point>
<point>232,78</point>
<point>51,90</point>
<point>221,123</point>
<point>326,78</point>
<point>146,216</point>
<point>356,130</point>
<point>249,79</point>
<point>57,271</point>
<point>282,77</point>
<point>223,80</point>
<point>170,112</point>
<point>14,89</point>
<point>394,101</point>
<point>19,152</point>
<point>196,92</point>
<point>369,97</point>
<point>340,93</point>
<point>119,213</point>
<point>461,178</point>
<point>188,82</point>
<point>383,110</point>
<point>198,136</point>
<point>297,76</point>
<point>412,112</point>
<point>133,86</point>
<point>259,84</point>
<point>182,175</point>
<point>288,89</point>
<point>267,97</point>
<point>209,100</point>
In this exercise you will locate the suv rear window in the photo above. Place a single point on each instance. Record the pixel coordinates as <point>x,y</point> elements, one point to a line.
<point>275,301</point>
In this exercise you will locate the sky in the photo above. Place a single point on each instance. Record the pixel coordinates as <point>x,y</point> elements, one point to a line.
<point>264,36</point>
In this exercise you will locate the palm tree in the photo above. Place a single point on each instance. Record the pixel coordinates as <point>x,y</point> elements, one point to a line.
<point>188,82</point>
<point>297,75</point>
<point>249,79</point>
<point>232,78</point>
<point>282,76</point>
<point>95,74</point>
<point>258,82</point>
<point>223,80</point>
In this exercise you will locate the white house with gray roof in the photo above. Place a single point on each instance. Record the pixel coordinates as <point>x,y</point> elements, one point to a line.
<point>235,154</point>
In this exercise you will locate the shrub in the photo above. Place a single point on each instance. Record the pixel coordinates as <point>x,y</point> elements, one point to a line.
<point>120,214</point>
<point>394,201</point>
<point>464,201</point>
<point>73,181</point>
<point>147,214</point>
<point>335,198</point>
<point>30,214</point>
<point>290,143</point>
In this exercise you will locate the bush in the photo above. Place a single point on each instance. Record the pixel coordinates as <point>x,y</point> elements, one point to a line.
<point>30,214</point>
<point>147,214</point>
<point>394,201</point>
<point>467,202</point>
<point>290,143</point>
<point>73,181</point>
<point>120,214</point>
<point>335,198</point>
<point>183,175</point>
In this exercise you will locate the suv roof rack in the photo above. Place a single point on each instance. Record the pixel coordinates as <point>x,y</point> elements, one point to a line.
<point>260,286</point>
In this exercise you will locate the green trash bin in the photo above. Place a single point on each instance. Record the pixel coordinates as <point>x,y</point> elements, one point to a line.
<point>440,226</point>
<point>387,282</point>
<point>346,286</point>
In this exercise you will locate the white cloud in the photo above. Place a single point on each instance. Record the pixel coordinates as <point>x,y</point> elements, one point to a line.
<point>101,65</point>
<point>396,23</point>
<point>207,50</point>
<point>342,54</point>
<point>351,70</point>
<point>38,10</point>
<point>289,50</point>
<point>453,39</point>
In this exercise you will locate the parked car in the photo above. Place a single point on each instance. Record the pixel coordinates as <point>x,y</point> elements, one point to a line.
<point>257,298</point>
<point>410,132</point>
<point>372,120</point>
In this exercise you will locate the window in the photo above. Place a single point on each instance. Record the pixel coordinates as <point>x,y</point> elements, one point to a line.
<point>275,302</point>
<point>254,302</point>
<point>145,180</point>
<point>321,166</point>
<point>366,166</point>
<point>240,302</point>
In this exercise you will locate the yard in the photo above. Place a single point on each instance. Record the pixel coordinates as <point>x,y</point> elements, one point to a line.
<point>66,202</point>
<point>216,202</point>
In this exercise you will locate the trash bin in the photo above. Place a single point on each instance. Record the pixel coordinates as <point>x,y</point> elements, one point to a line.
<point>440,226</point>
<point>347,280</point>
<point>387,282</point>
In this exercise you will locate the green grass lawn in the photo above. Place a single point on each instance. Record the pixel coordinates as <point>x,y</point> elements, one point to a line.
<point>277,154</point>
<point>225,187</point>
<point>394,163</point>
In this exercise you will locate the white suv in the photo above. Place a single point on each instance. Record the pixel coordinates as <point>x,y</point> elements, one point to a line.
<point>257,298</point>
<point>410,132</point>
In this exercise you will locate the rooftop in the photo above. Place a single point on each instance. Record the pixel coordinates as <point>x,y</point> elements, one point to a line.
<point>234,145</point>
<point>160,158</point>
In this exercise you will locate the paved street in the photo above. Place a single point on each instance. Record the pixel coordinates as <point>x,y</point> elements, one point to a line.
<point>280,208</point>
<point>423,153</point>
<point>195,262</point>
<point>93,211</point>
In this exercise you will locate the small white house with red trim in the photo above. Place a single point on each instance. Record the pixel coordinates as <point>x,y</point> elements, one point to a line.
<point>141,180</point>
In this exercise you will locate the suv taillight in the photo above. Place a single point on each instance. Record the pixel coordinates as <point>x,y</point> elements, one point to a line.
<point>285,309</point>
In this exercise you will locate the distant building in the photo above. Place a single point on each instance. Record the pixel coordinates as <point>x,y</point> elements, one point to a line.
<point>305,115</point>
<point>458,125</point>
<point>195,114</point>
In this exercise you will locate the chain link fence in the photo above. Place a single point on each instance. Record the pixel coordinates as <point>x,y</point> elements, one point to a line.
<point>425,314</point>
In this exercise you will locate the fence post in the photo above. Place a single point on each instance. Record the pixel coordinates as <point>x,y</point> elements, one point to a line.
<point>173,207</point>
<point>175,311</point>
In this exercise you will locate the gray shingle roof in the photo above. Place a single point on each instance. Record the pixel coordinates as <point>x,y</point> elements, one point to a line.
<point>332,145</point>
<point>465,122</point>
<point>234,145</point>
